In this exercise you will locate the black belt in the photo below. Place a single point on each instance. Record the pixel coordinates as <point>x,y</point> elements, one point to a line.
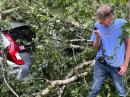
<point>102,61</point>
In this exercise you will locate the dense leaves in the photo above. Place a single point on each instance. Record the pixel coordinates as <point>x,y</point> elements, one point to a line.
<point>55,23</point>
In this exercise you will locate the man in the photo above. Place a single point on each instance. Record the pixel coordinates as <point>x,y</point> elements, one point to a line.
<point>112,54</point>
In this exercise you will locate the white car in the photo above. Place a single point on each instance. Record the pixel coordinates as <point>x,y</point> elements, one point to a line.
<point>18,54</point>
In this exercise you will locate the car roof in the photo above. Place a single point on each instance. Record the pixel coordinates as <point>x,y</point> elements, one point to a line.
<point>14,25</point>
<point>17,24</point>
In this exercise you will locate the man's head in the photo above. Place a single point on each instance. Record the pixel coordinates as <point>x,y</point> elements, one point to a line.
<point>105,15</point>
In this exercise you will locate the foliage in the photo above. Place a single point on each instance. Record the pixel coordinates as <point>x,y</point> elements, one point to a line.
<point>55,22</point>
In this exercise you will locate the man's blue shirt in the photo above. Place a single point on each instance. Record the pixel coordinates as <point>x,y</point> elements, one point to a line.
<point>113,48</point>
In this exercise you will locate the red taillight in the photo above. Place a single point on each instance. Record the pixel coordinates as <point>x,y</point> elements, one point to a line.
<point>13,51</point>
<point>14,56</point>
<point>17,58</point>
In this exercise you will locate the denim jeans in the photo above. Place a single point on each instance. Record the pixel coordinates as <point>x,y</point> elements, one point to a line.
<point>24,69</point>
<point>100,72</point>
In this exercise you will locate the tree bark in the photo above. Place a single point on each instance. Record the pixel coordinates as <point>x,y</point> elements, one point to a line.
<point>68,79</point>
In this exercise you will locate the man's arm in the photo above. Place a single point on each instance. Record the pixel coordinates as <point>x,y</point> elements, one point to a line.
<point>127,58</point>
<point>96,43</point>
<point>127,54</point>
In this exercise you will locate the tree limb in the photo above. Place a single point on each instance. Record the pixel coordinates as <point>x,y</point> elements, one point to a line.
<point>9,11</point>
<point>61,82</point>
<point>68,79</point>
<point>61,91</point>
<point>11,89</point>
<point>76,46</point>
<point>76,40</point>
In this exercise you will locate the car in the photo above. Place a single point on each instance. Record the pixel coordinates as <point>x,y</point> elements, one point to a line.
<point>17,48</point>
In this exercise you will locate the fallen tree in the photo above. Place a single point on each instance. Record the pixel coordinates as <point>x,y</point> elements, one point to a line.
<point>71,77</point>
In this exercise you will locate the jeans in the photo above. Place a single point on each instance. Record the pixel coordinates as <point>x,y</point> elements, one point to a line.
<point>100,72</point>
<point>24,69</point>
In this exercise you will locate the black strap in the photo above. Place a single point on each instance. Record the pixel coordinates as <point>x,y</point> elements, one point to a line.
<point>103,51</point>
<point>101,59</point>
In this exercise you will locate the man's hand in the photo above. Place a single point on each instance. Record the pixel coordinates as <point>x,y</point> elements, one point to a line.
<point>123,69</point>
<point>98,33</point>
